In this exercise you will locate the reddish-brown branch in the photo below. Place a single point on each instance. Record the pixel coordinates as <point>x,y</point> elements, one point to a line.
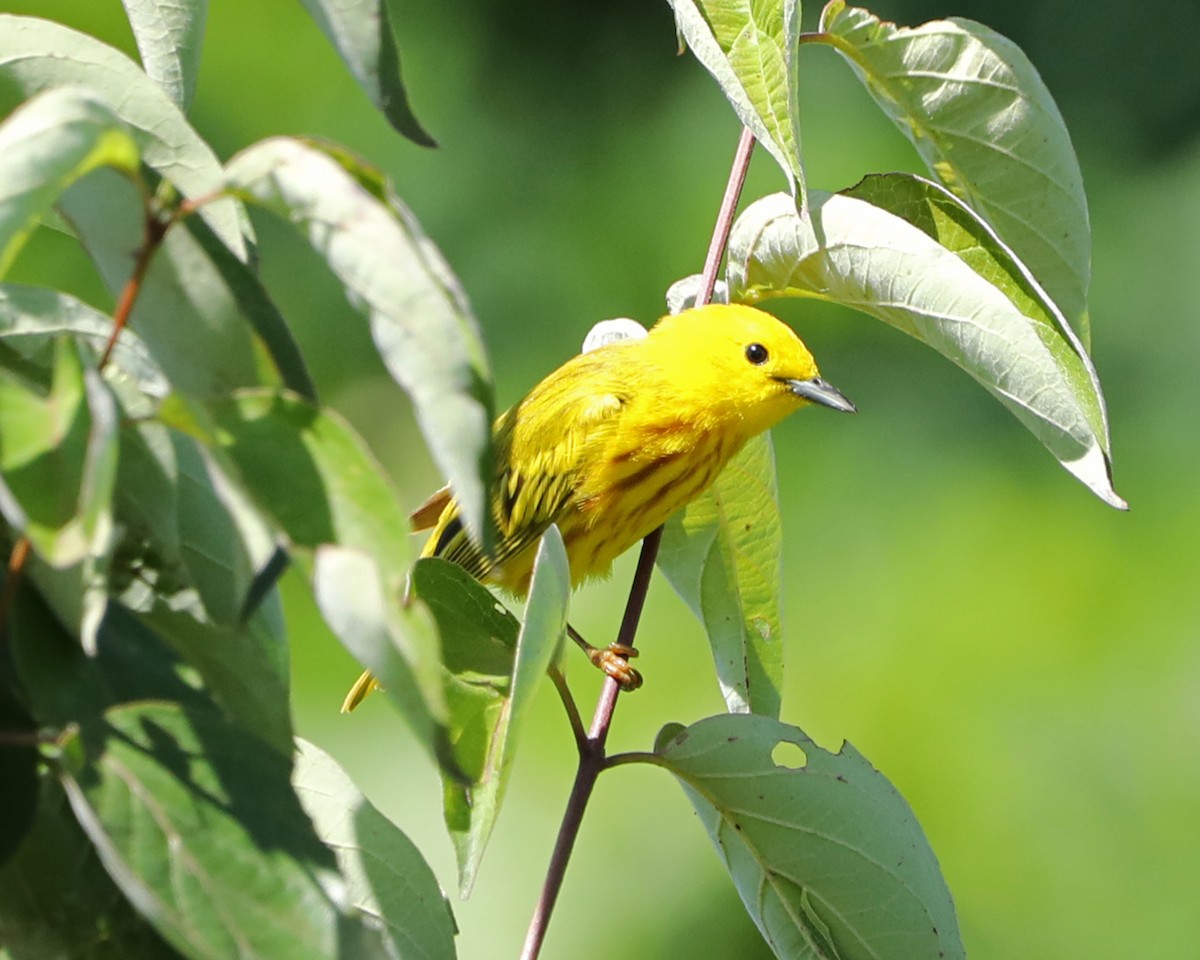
<point>591,750</point>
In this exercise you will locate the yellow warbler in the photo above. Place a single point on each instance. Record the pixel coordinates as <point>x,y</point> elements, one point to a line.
<point>614,441</point>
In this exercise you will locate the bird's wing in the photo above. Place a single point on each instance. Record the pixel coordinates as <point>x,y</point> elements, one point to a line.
<point>428,513</point>
<point>541,448</point>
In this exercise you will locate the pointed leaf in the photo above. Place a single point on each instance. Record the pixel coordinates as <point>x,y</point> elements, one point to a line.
<point>38,54</point>
<point>386,876</point>
<point>722,555</point>
<point>826,855</point>
<point>197,823</point>
<point>397,643</point>
<point>47,144</point>
<point>58,449</point>
<point>486,750</point>
<point>750,49</point>
<point>983,121</point>
<point>169,35</point>
<point>420,319</point>
<point>945,279</point>
<point>361,32</point>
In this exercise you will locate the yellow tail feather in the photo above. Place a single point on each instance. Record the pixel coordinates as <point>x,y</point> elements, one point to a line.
<point>358,693</point>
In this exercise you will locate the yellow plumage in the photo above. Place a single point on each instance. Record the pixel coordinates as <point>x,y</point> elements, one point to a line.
<point>614,441</point>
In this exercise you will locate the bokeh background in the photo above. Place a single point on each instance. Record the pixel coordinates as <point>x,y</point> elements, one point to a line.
<point>1022,661</point>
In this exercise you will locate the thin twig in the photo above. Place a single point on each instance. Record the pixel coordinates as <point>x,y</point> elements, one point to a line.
<point>591,750</point>
<point>559,679</point>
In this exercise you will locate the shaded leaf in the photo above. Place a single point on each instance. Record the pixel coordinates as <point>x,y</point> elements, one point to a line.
<point>826,855</point>
<point>386,876</point>
<point>197,823</point>
<point>47,144</point>
<point>58,457</point>
<point>949,282</point>
<point>722,555</point>
<point>750,49</point>
<point>57,901</point>
<point>38,54</point>
<point>420,320</point>
<point>169,35</point>
<point>18,770</point>
<point>983,121</point>
<point>488,711</point>
<point>361,32</point>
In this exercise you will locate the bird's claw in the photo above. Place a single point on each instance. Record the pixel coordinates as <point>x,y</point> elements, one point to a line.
<point>613,661</point>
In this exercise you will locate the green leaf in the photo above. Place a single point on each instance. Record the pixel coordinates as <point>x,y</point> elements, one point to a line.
<point>31,318</point>
<point>397,642</point>
<point>826,855</point>
<point>58,449</point>
<point>488,712</point>
<point>750,49</point>
<point>197,823</point>
<point>420,319</point>
<point>244,667</point>
<point>186,313</point>
<point>169,35</point>
<point>361,32</point>
<point>947,280</point>
<point>57,901</point>
<point>983,121</point>
<point>309,471</point>
<point>722,555</point>
<point>46,145</point>
<point>38,54</point>
<point>386,876</point>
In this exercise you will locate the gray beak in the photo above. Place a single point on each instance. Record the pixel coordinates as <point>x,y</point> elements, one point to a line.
<point>822,392</point>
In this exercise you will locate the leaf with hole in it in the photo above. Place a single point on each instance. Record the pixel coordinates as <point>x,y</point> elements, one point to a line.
<point>37,54</point>
<point>420,320</point>
<point>197,823</point>
<point>361,32</point>
<point>58,447</point>
<point>750,49</point>
<point>169,35</point>
<point>985,124</point>
<point>386,876</point>
<point>722,555</point>
<point>826,855</point>
<point>46,145</point>
<point>946,279</point>
<point>490,683</point>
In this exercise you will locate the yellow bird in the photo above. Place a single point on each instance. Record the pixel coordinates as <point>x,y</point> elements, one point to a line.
<point>614,441</point>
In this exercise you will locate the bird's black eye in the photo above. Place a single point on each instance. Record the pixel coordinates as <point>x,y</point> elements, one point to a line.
<point>756,353</point>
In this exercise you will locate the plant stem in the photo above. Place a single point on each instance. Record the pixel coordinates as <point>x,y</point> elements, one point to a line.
<point>591,749</point>
<point>155,229</point>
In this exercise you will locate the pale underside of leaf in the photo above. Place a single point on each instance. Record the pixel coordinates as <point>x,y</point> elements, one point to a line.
<point>169,35</point>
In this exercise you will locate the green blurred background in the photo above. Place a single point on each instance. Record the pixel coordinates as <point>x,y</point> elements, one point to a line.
<point>1022,661</point>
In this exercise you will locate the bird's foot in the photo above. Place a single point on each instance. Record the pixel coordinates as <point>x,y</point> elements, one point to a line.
<point>613,660</point>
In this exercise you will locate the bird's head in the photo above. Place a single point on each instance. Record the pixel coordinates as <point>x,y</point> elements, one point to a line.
<point>743,364</point>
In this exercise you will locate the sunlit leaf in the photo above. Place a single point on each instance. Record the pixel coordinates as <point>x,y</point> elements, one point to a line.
<point>722,555</point>
<point>750,49</point>
<point>488,709</point>
<point>197,823</point>
<point>983,121</point>
<point>826,855</point>
<point>46,145</point>
<point>386,876</point>
<point>945,279</point>
<point>398,644</point>
<point>58,447</point>
<point>420,320</point>
<point>169,35</point>
<point>361,32</point>
<point>37,54</point>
